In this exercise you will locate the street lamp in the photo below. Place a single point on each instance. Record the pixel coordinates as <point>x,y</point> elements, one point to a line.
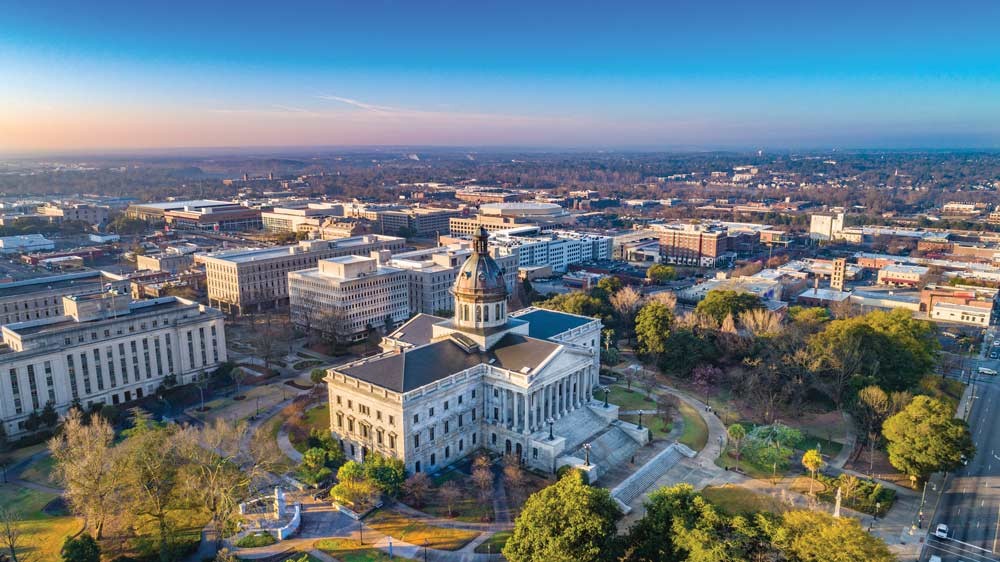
<point>426,544</point>
<point>586,453</point>
<point>552,422</point>
<point>361,529</point>
<point>640,419</point>
<point>606,392</point>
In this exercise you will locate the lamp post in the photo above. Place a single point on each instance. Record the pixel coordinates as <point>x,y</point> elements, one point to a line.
<point>552,422</point>
<point>640,419</point>
<point>426,544</point>
<point>606,392</point>
<point>586,454</point>
<point>390,548</point>
<point>361,529</point>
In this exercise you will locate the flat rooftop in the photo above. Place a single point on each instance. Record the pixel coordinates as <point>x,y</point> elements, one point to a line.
<point>38,284</point>
<point>31,329</point>
<point>171,205</point>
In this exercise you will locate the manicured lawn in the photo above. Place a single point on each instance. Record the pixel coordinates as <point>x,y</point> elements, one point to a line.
<point>40,472</point>
<point>494,544</point>
<point>728,460</point>
<point>315,418</point>
<point>44,534</point>
<point>626,400</point>
<point>695,434</point>
<point>656,425</point>
<point>735,500</point>
<point>349,550</point>
<point>467,508</point>
<point>395,524</point>
<point>301,557</point>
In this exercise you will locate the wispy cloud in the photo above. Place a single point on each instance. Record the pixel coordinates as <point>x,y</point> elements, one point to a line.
<point>360,104</point>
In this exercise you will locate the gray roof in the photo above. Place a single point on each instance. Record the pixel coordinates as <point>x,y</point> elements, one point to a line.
<point>547,323</point>
<point>417,330</point>
<point>414,368</point>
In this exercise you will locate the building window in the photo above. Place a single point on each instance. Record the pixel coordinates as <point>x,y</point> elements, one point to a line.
<point>416,441</point>
<point>433,459</point>
<point>447,453</point>
<point>431,412</point>
<point>432,434</point>
<point>445,405</point>
<point>392,442</point>
<point>473,394</point>
<point>445,428</point>
<point>473,438</point>
<point>460,399</point>
<point>460,420</point>
<point>416,466</point>
<point>416,418</point>
<point>461,445</point>
<point>493,438</point>
<point>534,452</point>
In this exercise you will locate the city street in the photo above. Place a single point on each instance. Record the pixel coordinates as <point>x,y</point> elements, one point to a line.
<point>970,505</point>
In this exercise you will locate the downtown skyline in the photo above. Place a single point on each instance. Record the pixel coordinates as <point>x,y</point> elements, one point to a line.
<point>588,75</point>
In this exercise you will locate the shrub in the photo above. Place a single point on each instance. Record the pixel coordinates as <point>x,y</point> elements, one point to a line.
<point>255,540</point>
<point>868,495</point>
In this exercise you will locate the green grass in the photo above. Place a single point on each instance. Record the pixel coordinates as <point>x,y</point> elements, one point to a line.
<point>495,543</point>
<point>657,427</point>
<point>315,418</point>
<point>829,448</point>
<point>256,540</point>
<point>40,472</point>
<point>735,500</point>
<point>628,400</point>
<point>414,531</point>
<point>301,557</point>
<point>43,534</point>
<point>750,469</point>
<point>695,434</point>
<point>349,550</point>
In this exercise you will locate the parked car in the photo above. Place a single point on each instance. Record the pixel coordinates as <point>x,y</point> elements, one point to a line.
<point>941,532</point>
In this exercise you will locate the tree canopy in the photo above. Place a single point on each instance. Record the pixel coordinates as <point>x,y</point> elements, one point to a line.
<point>568,521</point>
<point>925,437</point>
<point>660,273</point>
<point>652,327</point>
<point>721,303</point>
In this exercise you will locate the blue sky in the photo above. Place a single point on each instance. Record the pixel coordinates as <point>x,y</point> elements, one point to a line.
<point>109,74</point>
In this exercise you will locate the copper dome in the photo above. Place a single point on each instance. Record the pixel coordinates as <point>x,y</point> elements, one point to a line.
<point>480,275</point>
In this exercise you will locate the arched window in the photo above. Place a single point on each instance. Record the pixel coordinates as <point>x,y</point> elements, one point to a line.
<point>499,314</point>
<point>465,312</point>
<point>486,313</point>
<point>479,314</point>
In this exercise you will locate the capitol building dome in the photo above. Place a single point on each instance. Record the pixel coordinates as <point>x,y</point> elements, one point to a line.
<point>480,291</point>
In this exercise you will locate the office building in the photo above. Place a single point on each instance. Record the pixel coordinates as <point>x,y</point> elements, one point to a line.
<point>902,275</point>
<point>348,296</point>
<point>557,249</point>
<point>257,279</point>
<point>704,245</point>
<point>84,212</point>
<point>105,349</point>
<point>826,226</point>
<point>431,274</point>
<point>170,262</point>
<point>307,219</point>
<point>155,213</point>
<point>41,297</point>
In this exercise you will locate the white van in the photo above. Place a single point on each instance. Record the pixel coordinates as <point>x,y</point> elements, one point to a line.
<point>987,371</point>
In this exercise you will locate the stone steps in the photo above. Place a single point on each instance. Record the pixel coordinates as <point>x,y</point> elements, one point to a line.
<point>643,478</point>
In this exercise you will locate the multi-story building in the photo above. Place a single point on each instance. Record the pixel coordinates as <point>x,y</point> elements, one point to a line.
<point>167,261</point>
<point>41,297</point>
<point>420,221</point>
<point>487,195</point>
<point>85,212</point>
<point>467,226</point>
<point>826,226</point>
<point>229,218</point>
<point>705,245</point>
<point>105,349</point>
<point>243,280</point>
<point>349,296</point>
<point>306,219</point>
<point>557,249</point>
<point>516,384</point>
<point>961,304</point>
<point>155,213</point>
<point>431,274</point>
<point>898,274</point>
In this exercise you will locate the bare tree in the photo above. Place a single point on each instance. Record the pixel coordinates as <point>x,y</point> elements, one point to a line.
<point>12,542</point>
<point>626,303</point>
<point>666,297</point>
<point>417,487</point>
<point>225,464</point>
<point>760,322</point>
<point>89,468</point>
<point>450,494</point>
<point>482,476</point>
<point>513,474</point>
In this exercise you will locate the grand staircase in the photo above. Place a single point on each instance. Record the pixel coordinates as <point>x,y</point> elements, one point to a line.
<point>650,472</point>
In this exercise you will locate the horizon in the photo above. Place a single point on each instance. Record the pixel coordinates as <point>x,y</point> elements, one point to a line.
<point>563,76</point>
